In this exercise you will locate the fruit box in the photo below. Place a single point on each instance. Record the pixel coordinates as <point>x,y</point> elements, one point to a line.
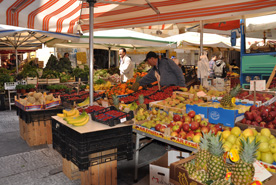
<point>179,175</point>
<point>202,111</point>
<point>224,116</point>
<point>52,104</point>
<point>258,128</point>
<point>160,169</point>
<point>28,107</point>
<point>137,126</point>
<point>186,95</point>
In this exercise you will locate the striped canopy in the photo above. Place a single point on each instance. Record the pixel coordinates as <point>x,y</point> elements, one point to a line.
<point>69,16</point>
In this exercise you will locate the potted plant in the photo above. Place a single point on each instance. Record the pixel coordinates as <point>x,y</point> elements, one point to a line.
<point>51,88</point>
<point>30,87</point>
<point>23,89</point>
<point>18,88</point>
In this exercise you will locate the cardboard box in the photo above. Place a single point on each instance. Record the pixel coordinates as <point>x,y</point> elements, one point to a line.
<point>224,116</point>
<point>202,111</point>
<point>159,169</point>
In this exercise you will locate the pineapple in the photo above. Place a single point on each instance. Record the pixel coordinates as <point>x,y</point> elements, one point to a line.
<point>226,101</point>
<point>141,102</point>
<point>221,182</point>
<point>200,176</point>
<point>115,101</point>
<point>215,165</point>
<point>190,167</point>
<point>243,171</point>
<point>202,156</point>
<point>136,85</point>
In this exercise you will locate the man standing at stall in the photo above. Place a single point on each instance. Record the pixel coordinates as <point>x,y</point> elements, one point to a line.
<point>164,70</point>
<point>211,65</point>
<point>126,66</point>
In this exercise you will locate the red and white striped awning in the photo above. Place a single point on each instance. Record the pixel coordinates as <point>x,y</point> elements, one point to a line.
<point>68,16</point>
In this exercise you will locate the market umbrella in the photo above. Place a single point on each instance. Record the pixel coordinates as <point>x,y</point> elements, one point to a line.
<point>27,39</point>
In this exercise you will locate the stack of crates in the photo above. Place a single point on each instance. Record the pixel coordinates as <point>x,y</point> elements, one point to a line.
<point>93,148</point>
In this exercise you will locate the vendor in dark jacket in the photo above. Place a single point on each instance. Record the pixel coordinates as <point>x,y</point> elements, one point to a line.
<point>170,73</point>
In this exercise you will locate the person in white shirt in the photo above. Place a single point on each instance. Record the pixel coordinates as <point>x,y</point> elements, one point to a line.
<point>126,66</point>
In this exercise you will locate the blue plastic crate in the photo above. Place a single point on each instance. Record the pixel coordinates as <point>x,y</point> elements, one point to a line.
<point>203,111</point>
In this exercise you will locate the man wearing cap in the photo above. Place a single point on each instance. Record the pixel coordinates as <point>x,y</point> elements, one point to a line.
<point>165,69</point>
<point>126,66</point>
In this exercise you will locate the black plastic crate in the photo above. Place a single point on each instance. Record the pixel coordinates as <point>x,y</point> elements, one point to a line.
<point>40,115</point>
<point>84,161</point>
<point>59,145</point>
<point>112,121</point>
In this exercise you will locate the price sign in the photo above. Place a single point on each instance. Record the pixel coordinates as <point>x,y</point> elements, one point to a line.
<point>104,103</point>
<point>123,120</point>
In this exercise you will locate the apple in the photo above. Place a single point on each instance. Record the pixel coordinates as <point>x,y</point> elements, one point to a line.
<point>176,128</point>
<point>190,136</point>
<point>198,133</point>
<point>188,119</point>
<point>194,125</point>
<point>198,130</point>
<point>272,141</point>
<point>179,123</point>
<point>253,107</point>
<point>196,138</point>
<point>176,117</point>
<point>182,134</point>
<point>267,157</point>
<point>264,114</point>
<point>162,129</point>
<point>271,136</point>
<point>255,123</point>
<point>203,123</point>
<point>174,134</point>
<point>274,122</point>
<point>236,131</point>
<point>258,155</point>
<point>227,146</point>
<point>197,118</point>
<point>263,124</point>
<point>248,132</point>
<point>270,126</point>
<point>243,121</point>
<point>205,129</point>
<point>264,147</point>
<point>258,119</point>
<point>272,114</point>
<point>248,122</point>
<point>214,130</point>
<point>265,132</point>
<point>157,127</point>
<point>248,115</point>
<point>262,139</point>
<point>226,133</point>
<point>272,148</point>
<point>219,128</point>
<point>232,139</point>
<point>236,147</point>
<point>191,114</point>
<point>171,124</point>
<point>186,127</point>
<point>254,131</point>
<point>226,128</point>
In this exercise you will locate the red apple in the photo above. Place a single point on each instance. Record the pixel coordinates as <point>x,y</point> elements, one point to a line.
<point>253,107</point>
<point>258,119</point>
<point>186,127</point>
<point>243,120</point>
<point>194,125</point>
<point>190,136</point>
<point>203,123</point>
<point>176,128</point>
<point>205,129</point>
<point>255,123</point>
<point>197,118</point>
<point>248,122</point>
<point>182,134</point>
<point>218,127</point>
<point>274,122</point>
<point>176,117</point>
<point>191,114</point>
<point>272,114</point>
<point>162,129</point>
<point>271,126</point>
<point>263,124</point>
<point>174,134</point>
<point>179,123</point>
<point>188,119</point>
<point>198,133</point>
<point>157,127</point>
<point>248,115</point>
<point>214,130</point>
<point>171,124</point>
<point>264,114</point>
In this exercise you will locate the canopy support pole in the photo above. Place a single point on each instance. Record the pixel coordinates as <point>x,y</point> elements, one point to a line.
<point>109,56</point>
<point>91,66</point>
<point>201,38</point>
<point>16,59</point>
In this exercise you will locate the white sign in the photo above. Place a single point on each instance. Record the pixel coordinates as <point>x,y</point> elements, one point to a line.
<point>260,85</point>
<point>261,173</point>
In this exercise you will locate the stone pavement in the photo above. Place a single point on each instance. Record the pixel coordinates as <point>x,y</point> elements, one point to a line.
<point>24,165</point>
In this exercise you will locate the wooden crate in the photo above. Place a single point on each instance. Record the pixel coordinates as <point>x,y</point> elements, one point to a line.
<point>36,133</point>
<point>31,80</point>
<point>70,169</point>
<point>54,81</point>
<point>105,173</point>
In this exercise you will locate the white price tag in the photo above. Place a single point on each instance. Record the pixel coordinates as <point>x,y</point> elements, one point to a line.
<point>123,120</point>
<point>104,103</point>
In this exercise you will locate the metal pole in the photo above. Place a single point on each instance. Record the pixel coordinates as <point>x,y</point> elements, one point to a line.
<point>109,56</point>
<point>201,38</point>
<point>16,59</point>
<point>91,66</point>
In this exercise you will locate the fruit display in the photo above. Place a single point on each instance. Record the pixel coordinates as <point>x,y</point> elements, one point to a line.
<point>263,97</point>
<point>103,86</point>
<point>79,120</point>
<point>228,101</point>
<point>273,83</point>
<point>84,103</point>
<point>71,113</point>
<point>263,116</point>
<point>154,120</point>
<point>90,109</point>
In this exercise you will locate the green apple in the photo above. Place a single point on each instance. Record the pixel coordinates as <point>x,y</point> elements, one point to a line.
<point>274,157</point>
<point>258,155</point>
<point>232,139</point>
<point>262,139</point>
<point>264,147</point>
<point>227,146</point>
<point>236,131</point>
<point>272,141</point>
<point>226,133</point>
<point>266,132</point>
<point>196,138</point>
<point>267,157</point>
<point>254,131</point>
<point>272,148</point>
<point>271,136</point>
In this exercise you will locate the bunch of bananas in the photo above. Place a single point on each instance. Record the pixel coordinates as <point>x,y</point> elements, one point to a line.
<point>79,120</point>
<point>74,118</point>
<point>71,113</point>
<point>105,86</point>
<point>84,103</point>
